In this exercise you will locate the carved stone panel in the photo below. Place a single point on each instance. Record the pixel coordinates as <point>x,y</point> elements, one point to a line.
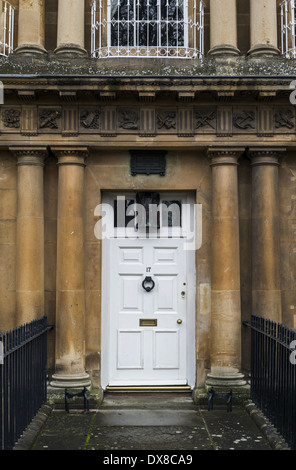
<point>244,119</point>
<point>50,119</point>
<point>11,119</point>
<point>284,120</point>
<point>166,120</point>
<point>205,119</point>
<point>89,119</point>
<point>128,119</point>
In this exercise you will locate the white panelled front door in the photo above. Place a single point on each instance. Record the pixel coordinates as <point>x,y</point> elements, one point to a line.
<point>147,331</point>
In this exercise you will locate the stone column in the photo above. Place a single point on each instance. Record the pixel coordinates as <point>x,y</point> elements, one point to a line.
<point>30,234</point>
<point>31,26</point>
<point>266,280</point>
<point>223,26</point>
<point>226,305</point>
<point>70,302</point>
<point>70,38</point>
<point>264,35</point>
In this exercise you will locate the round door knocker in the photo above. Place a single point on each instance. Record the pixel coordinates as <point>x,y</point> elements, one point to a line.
<point>148,280</point>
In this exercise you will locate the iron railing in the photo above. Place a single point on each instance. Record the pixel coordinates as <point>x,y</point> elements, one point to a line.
<point>288,28</point>
<point>23,386</point>
<point>149,28</point>
<point>6,28</point>
<point>273,374</point>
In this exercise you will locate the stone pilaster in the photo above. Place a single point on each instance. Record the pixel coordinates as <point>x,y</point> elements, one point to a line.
<point>30,233</point>
<point>70,35</point>
<point>264,34</point>
<point>266,277</point>
<point>223,26</point>
<point>31,25</point>
<point>226,303</point>
<point>70,310</point>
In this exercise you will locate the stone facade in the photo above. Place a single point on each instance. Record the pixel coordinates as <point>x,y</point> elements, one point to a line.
<point>67,125</point>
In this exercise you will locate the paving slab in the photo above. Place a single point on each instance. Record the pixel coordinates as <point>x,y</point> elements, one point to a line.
<point>151,423</point>
<point>147,418</point>
<point>151,438</point>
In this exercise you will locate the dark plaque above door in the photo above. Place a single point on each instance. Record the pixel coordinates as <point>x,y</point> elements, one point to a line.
<point>148,162</point>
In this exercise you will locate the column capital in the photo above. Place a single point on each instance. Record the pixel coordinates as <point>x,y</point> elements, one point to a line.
<point>29,155</point>
<point>71,155</point>
<point>266,156</point>
<point>225,155</point>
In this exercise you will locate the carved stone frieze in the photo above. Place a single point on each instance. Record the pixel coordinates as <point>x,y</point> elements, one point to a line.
<point>182,120</point>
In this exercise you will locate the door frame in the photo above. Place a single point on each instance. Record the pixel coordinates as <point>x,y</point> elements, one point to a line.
<point>106,292</point>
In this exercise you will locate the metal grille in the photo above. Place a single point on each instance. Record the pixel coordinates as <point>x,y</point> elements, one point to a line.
<point>288,28</point>
<point>150,28</point>
<point>6,28</point>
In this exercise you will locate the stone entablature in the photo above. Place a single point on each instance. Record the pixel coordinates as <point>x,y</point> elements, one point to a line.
<point>149,120</point>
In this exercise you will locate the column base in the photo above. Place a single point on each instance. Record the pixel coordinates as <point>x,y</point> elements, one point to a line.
<point>263,50</point>
<point>70,50</point>
<point>30,49</point>
<point>70,381</point>
<point>225,381</point>
<point>224,49</point>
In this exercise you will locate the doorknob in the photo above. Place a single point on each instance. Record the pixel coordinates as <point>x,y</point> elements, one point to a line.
<point>183,293</point>
<point>179,321</point>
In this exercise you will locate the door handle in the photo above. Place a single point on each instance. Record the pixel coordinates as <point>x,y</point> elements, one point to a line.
<point>179,321</point>
<point>183,293</point>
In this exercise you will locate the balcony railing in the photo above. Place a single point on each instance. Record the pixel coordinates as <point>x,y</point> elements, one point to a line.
<point>288,28</point>
<point>6,28</point>
<point>149,28</point>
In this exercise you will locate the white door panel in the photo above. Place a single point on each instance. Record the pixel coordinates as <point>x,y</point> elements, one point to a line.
<point>166,349</point>
<point>152,354</point>
<point>127,357</point>
<point>166,295</point>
